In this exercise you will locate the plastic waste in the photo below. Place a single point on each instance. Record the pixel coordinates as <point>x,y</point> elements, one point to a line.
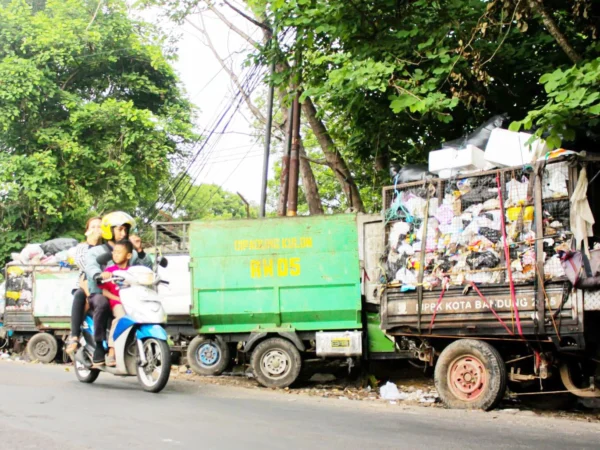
<point>410,173</point>
<point>389,391</point>
<point>480,136</point>
<point>406,276</point>
<point>54,246</point>
<point>30,252</point>
<point>444,214</point>
<point>416,206</point>
<point>517,192</point>
<point>555,180</point>
<point>491,204</point>
<point>406,249</point>
<point>483,260</point>
<point>553,268</point>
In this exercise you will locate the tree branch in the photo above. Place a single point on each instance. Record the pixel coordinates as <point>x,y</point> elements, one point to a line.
<point>247,17</point>
<point>95,14</point>
<point>68,80</point>
<point>232,27</point>
<point>322,162</point>
<point>538,7</point>
<point>257,113</point>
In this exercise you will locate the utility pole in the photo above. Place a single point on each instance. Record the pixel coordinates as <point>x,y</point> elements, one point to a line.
<point>294,172</point>
<point>285,165</point>
<point>265,175</point>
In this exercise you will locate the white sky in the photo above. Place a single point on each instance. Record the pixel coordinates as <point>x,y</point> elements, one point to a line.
<point>236,160</point>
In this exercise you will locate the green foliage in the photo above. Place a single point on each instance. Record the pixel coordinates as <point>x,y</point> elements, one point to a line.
<point>210,202</point>
<point>573,102</point>
<point>91,116</point>
<point>393,80</point>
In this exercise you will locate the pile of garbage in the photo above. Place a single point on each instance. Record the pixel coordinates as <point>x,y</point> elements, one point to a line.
<point>458,224</point>
<point>51,256</point>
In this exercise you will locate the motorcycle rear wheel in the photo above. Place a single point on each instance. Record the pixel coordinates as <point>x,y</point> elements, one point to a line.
<point>85,375</point>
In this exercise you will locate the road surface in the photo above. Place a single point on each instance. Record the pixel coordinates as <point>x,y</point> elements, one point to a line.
<point>45,407</point>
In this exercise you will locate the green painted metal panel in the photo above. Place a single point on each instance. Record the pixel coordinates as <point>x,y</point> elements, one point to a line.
<point>378,341</point>
<point>297,273</point>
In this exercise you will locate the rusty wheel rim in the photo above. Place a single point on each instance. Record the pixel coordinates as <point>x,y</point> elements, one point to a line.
<point>467,378</point>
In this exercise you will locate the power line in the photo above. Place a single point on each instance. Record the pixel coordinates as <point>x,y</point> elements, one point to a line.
<point>166,196</point>
<point>248,86</point>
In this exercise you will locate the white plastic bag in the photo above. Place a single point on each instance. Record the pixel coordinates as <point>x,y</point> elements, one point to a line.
<point>398,229</point>
<point>406,276</point>
<point>517,193</point>
<point>389,391</point>
<point>31,252</point>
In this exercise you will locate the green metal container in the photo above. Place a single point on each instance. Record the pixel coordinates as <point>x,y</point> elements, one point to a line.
<point>282,274</point>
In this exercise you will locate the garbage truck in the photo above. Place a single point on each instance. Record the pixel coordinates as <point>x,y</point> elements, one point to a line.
<point>279,291</point>
<point>36,313</point>
<point>468,275</point>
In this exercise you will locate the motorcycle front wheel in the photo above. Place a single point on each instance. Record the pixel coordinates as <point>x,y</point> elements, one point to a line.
<point>155,374</point>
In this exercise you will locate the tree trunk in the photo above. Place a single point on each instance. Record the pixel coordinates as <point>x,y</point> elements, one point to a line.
<point>333,156</point>
<point>538,7</point>
<point>309,183</point>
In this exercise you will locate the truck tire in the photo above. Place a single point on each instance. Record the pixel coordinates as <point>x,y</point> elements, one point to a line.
<point>470,374</point>
<point>42,347</point>
<point>276,363</point>
<point>208,356</point>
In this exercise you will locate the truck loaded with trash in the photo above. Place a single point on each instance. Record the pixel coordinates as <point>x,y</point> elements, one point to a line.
<point>487,272</point>
<point>486,269</point>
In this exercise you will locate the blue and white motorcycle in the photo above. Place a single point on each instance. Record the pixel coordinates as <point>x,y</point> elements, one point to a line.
<point>141,346</point>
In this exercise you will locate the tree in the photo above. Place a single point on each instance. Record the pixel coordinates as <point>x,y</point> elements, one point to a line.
<point>91,116</point>
<point>209,201</point>
<point>391,80</point>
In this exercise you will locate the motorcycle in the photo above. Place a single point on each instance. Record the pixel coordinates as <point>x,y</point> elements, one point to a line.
<point>140,340</point>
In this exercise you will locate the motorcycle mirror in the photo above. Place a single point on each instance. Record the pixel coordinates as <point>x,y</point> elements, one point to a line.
<point>104,258</point>
<point>163,262</point>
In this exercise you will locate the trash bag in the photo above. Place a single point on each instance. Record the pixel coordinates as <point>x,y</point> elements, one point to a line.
<point>14,284</point>
<point>31,252</point>
<point>410,173</point>
<point>483,260</point>
<point>55,246</point>
<point>480,136</point>
<point>490,234</point>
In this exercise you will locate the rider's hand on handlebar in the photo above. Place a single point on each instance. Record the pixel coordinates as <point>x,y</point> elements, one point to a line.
<point>106,275</point>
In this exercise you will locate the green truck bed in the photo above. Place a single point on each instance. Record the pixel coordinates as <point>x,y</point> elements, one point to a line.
<point>283,273</point>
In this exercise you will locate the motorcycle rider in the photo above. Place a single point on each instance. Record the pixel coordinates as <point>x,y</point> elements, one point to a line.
<point>115,226</point>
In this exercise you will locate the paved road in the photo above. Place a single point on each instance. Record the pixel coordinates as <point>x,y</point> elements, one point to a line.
<point>44,407</point>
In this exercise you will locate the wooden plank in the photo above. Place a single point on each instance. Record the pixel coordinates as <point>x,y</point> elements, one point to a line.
<point>539,247</point>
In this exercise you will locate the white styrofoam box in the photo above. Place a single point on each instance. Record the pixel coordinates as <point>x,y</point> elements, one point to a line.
<point>509,148</point>
<point>469,158</point>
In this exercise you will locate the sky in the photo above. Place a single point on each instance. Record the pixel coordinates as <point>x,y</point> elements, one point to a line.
<point>232,160</point>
